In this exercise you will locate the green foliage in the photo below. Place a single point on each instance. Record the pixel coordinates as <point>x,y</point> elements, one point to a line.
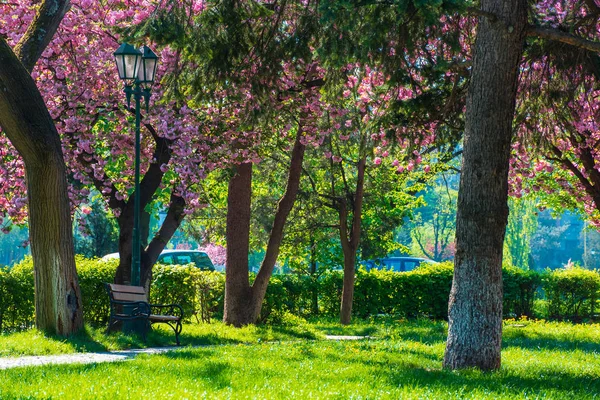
<point>199,293</point>
<point>16,296</point>
<point>97,232</point>
<point>521,226</point>
<point>572,293</point>
<point>520,287</point>
<point>93,273</point>
<point>433,225</point>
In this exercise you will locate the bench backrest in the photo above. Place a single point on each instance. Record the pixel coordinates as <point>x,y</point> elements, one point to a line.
<point>127,293</point>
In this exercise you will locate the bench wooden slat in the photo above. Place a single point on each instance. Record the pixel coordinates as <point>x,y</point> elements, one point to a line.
<point>120,296</point>
<point>127,289</point>
<point>124,293</point>
<point>163,318</point>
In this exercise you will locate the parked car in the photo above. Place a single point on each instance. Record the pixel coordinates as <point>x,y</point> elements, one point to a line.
<point>179,257</point>
<point>397,264</point>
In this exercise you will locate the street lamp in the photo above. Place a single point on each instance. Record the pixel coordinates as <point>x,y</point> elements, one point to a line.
<point>137,68</point>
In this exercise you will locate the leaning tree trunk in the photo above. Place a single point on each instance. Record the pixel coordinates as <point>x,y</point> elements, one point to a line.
<point>26,121</point>
<point>284,207</point>
<point>238,293</point>
<point>475,308</point>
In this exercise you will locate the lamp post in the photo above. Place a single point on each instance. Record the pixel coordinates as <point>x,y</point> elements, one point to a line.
<point>137,69</point>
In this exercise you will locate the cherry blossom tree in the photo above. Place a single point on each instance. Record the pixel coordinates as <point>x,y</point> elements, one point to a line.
<point>26,122</point>
<point>86,102</point>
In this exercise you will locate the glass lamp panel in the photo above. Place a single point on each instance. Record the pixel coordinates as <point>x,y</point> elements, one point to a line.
<point>131,64</point>
<point>147,71</point>
<point>119,59</point>
<point>128,60</point>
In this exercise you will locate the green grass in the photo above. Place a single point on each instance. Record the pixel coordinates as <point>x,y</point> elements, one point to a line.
<point>35,343</point>
<point>540,360</point>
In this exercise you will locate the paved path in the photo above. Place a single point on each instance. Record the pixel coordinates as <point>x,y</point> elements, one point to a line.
<point>80,358</point>
<point>113,356</point>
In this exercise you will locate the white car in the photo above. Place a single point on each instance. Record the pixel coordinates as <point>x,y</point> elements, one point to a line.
<point>178,257</point>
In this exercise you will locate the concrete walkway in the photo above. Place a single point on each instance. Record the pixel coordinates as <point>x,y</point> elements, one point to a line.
<point>80,358</point>
<point>113,356</point>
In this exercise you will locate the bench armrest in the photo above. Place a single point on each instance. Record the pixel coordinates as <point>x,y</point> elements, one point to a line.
<point>171,309</point>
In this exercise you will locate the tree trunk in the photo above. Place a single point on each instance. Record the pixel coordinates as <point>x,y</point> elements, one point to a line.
<point>243,303</point>
<point>238,293</point>
<point>284,207</point>
<point>475,308</point>
<point>26,121</point>
<point>348,285</point>
<point>314,277</point>
<point>58,299</point>
<point>350,242</point>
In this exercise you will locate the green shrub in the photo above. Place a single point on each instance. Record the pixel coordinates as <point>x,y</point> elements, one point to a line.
<point>330,292</point>
<point>431,284</point>
<point>572,293</point>
<point>17,310</point>
<point>93,273</point>
<point>210,295</point>
<point>520,288</point>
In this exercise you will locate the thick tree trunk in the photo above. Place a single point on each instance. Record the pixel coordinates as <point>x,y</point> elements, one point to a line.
<point>26,121</point>
<point>350,242</point>
<point>58,299</point>
<point>475,308</point>
<point>238,293</point>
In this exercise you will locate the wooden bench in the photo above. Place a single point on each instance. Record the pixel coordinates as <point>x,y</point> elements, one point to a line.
<point>130,303</point>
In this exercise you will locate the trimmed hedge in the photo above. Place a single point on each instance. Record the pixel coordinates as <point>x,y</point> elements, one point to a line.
<point>571,293</point>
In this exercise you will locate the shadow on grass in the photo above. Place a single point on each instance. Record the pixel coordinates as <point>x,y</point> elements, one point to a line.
<point>414,368</point>
<point>83,341</point>
<point>500,383</point>
<point>548,342</point>
<point>294,332</point>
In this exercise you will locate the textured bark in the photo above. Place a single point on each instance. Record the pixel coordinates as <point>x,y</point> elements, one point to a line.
<point>350,241</point>
<point>251,297</point>
<point>238,293</point>
<point>25,120</point>
<point>40,32</point>
<point>475,308</point>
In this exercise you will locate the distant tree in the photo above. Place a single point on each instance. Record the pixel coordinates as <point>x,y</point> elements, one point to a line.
<point>96,231</point>
<point>520,231</point>
<point>434,224</point>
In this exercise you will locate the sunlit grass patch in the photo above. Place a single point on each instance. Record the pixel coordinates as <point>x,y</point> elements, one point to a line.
<point>403,360</point>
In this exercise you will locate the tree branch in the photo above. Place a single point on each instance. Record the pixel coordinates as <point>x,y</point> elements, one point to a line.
<point>40,32</point>
<point>563,37</point>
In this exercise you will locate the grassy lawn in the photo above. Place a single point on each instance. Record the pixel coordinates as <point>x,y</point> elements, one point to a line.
<point>540,360</point>
<point>34,343</point>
